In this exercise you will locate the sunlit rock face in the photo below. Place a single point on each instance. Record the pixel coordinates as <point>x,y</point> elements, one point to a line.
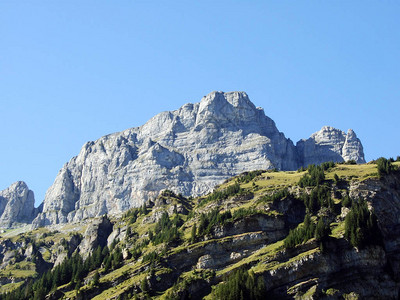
<point>330,144</point>
<point>188,150</point>
<point>16,205</point>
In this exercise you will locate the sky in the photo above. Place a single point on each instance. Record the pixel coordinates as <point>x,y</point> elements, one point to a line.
<point>73,71</point>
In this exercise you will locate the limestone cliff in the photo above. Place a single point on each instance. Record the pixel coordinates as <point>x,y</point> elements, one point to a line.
<point>330,144</point>
<point>16,205</point>
<point>188,150</point>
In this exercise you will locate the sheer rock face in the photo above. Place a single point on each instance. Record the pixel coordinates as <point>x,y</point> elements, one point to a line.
<point>330,144</point>
<point>16,205</point>
<point>188,150</point>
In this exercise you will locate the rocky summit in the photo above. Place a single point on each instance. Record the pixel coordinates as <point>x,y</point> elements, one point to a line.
<point>16,205</point>
<point>189,151</point>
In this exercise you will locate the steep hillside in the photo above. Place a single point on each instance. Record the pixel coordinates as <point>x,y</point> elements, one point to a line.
<point>328,232</point>
<point>189,151</point>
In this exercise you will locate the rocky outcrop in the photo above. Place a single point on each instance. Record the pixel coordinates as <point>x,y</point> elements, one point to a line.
<point>330,144</point>
<point>16,205</point>
<point>188,150</point>
<point>95,235</point>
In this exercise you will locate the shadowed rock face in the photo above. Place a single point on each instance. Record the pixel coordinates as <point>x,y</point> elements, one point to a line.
<point>16,205</point>
<point>188,150</point>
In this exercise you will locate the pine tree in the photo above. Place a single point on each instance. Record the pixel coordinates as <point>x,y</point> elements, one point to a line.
<point>193,234</point>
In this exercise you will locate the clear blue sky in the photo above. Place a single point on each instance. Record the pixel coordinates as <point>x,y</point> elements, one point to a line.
<point>73,71</point>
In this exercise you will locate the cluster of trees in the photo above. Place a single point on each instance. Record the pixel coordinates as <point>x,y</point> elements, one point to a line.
<point>72,270</point>
<point>314,177</point>
<point>319,197</point>
<point>316,174</point>
<point>277,196</point>
<point>215,217</point>
<point>211,219</point>
<point>240,285</point>
<point>166,230</point>
<point>306,231</point>
<point>223,194</point>
<point>249,176</point>
<point>361,228</point>
<point>385,166</point>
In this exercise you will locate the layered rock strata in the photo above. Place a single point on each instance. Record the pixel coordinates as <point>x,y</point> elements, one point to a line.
<point>189,151</point>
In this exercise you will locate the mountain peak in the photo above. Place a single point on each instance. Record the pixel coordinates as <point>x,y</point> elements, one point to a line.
<point>189,151</point>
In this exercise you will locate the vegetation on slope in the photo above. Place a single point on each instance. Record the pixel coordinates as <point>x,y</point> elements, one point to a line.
<point>168,247</point>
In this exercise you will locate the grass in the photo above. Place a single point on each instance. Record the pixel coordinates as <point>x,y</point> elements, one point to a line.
<point>275,180</point>
<point>337,229</point>
<point>356,172</point>
<point>23,269</point>
<point>264,254</point>
<point>10,287</point>
<point>293,259</point>
<point>117,290</point>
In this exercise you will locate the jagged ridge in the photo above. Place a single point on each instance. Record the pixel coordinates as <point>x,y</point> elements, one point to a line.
<point>188,150</point>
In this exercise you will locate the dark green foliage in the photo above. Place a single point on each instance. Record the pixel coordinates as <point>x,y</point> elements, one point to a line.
<point>243,212</point>
<point>277,196</point>
<point>240,285</point>
<point>361,228</point>
<point>96,278</point>
<point>249,176</point>
<point>143,209</point>
<point>193,233</point>
<point>209,220</point>
<point>215,217</point>
<point>327,165</point>
<point>151,257</point>
<point>336,178</point>
<point>385,166</point>
<point>346,201</point>
<point>223,194</point>
<point>168,193</point>
<point>144,285</point>
<point>322,230</point>
<point>300,234</point>
<point>314,177</point>
<point>319,197</point>
<point>166,231</point>
<point>72,270</point>
<point>132,215</point>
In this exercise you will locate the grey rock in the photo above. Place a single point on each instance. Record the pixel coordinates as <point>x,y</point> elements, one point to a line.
<point>95,235</point>
<point>188,150</point>
<point>16,205</point>
<point>330,144</point>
